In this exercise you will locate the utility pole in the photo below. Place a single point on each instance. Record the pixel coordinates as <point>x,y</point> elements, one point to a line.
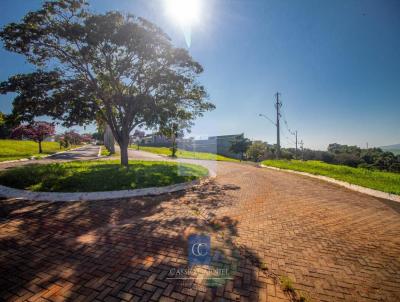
<point>296,144</point>
<point>278,106</point>
<point>302,150</point>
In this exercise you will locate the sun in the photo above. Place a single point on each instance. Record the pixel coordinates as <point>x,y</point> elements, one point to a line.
<point>184,12</point>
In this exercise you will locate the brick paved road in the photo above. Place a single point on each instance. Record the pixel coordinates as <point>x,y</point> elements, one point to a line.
<point>333,243</point>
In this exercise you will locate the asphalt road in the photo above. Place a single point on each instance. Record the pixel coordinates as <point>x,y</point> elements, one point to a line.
<point>84,153</point>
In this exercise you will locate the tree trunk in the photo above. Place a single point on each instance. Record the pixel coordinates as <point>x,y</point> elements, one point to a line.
<point>40,147</point>
<point>173,146</point>
<point>124,153</point>
<point>109,140</point>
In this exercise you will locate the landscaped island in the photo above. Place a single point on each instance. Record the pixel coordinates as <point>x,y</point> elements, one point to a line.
<point>11,149</point>
<point>382,181</point>
<point>95,176</point>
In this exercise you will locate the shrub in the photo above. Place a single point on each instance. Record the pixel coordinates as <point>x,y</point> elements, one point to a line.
<point>257,151</point>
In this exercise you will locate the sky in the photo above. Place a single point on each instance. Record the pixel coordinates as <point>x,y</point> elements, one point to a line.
<point>335,63</point>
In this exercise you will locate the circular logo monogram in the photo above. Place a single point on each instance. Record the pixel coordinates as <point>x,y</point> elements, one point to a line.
<point>199,249</point>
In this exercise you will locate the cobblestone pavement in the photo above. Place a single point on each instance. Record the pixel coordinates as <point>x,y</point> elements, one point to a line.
<point>334,244</point>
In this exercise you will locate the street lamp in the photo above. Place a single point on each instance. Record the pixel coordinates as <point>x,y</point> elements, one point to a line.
<point>266,117</point>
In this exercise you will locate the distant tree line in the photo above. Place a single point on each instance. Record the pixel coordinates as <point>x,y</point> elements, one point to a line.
<point>352,156</point>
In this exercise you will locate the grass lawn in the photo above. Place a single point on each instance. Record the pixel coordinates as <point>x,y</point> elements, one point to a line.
<point>382,181</point>
<point>11,149</point>
<point>185,154</point>
<point>93,176</point>
<point>104,151</point>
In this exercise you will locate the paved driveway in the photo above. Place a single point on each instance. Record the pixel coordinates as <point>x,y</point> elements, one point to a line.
<point>335,244</point>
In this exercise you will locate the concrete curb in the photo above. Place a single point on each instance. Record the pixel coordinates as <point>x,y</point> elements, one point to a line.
<point>371,192</point>
<point>43,157</point>
<point>10,193</point>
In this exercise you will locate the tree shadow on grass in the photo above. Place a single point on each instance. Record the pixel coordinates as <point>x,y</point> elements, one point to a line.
<point>97,176</point>
<point>118,250</point>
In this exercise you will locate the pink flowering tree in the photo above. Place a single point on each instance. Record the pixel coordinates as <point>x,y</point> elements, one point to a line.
<point>72,138</point>
<point>86,138</point>
<point>37,131</point>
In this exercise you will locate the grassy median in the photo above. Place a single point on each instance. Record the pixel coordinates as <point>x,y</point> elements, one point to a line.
<point>382,181</point>
<point>94,176</point>
<point>185,154</point>
<point>11,149</point>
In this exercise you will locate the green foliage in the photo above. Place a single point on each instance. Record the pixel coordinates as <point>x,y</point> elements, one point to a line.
<point>240,145</point>
<point>11,149</point>
<point>7,123</point>
<point>99,136</point>
<point>257,151</point>
<point>174,125</point>
<point>104,151</point>
<point>394,151</point>
<point>186,154</point>
<point>94,176</point>
<point>287,283</point>
<point>4,130</point>
<point>340,149</point>
<point>382,181</point>
<point>111,67</point>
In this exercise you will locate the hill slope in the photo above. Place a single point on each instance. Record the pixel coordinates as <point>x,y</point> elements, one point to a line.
<point>392,148</point>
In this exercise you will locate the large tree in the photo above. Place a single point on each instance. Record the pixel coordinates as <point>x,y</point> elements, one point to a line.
<point>119,68</point>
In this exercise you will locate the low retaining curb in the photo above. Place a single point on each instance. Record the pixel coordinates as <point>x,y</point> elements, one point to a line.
<point>347,185</point>
<point>7,192</point>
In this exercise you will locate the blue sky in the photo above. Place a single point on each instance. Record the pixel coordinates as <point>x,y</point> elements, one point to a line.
<point>336,63</point>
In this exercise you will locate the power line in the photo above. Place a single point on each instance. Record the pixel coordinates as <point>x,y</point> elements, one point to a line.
<point>289,139</point>
<point>286,123</point>
<point>294,133</point>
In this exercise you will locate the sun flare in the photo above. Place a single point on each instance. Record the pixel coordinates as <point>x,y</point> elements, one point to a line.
<point>184,12</point>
